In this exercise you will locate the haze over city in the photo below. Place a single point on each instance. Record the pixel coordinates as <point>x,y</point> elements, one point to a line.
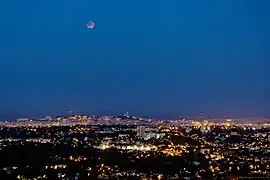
<point>152,58</point>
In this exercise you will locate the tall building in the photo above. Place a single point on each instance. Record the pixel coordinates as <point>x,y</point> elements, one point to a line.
<point>141,131</point>
<point>84,120</point>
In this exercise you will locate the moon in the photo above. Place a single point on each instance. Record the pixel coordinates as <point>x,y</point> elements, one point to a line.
<point>90,25</point>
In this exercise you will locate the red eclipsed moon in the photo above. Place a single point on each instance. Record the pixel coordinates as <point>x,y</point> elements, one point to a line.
<point>90,25</point>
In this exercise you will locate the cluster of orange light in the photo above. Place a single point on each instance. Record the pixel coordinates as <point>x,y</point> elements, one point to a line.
<point>77,159</point>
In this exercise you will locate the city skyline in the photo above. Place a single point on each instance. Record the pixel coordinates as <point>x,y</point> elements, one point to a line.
<point>177,58</point>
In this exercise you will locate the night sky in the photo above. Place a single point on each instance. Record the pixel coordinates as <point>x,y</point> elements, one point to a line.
<point>149,57</point>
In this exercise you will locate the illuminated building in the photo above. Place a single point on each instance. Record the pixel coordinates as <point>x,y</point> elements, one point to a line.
<point>84,119</point>
<point>22,119</point>
<point>228,122</point>
<point>151,135</point>
<point>141,131</point>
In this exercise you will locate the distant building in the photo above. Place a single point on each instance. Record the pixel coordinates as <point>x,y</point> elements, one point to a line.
<point>22,119</point>
<point>229,122</point>
<point>141,131</point>
<point>151,135</point>
<point>47,118</point>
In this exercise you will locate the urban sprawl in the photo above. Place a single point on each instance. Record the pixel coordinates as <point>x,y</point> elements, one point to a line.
<point>128,147</point>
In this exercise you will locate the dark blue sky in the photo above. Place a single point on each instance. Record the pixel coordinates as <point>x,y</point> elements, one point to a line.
<point>152,57</point>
